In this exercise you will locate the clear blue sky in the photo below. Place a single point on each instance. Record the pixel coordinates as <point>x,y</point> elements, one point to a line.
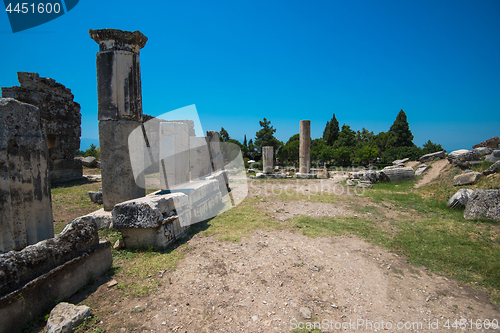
<point>241,61</point>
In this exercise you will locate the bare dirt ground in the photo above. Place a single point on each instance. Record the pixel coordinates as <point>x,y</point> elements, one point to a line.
<point>433,172</point>
<point>275,281</point>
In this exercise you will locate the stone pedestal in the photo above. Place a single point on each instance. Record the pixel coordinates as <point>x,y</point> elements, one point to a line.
<point>305,147</point>
<point>118,181</point>
<point>174,154</point>
<point>119,110</point>
<point>199,157</point>
<point>267,159</point>
<point>25,202</point>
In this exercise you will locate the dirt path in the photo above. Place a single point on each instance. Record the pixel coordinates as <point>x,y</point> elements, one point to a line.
<point>436,168</point>
<point>274,281</point>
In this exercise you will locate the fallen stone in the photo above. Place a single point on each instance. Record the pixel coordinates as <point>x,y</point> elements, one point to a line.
<point>496,152</point>
<point>421,169</point>
<point>459,199</point>
<point>466,164</point>
<point>250,170</point>
<point>431,157</point>
<point>483,204</point>
<point>349,182</point>
<point>259,175</point>
<point>490,143</point>
<point>492,169</point>
<point>470,155</point>
<point>466,178</point>
<point>305,313</point>
<point>455,153</point>
<point>306,175</point>
<point>399,162</point>
<point>371,176</point>
<point>96,197</point>
<point>491,158</point>
<point>399,174</point>
<point>483,150</point>
<point>119,244</point>
<point>65,317</point>
<point>364,183</point>
<point>89,162</point>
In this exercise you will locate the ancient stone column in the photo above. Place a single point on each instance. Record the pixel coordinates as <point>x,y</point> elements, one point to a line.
<point>25,201</point>
<point>305,147</point>
<point>267,159</point>
<point>119,111</point>
<point>174,154</point>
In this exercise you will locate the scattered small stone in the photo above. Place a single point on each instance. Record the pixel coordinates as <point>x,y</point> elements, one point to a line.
<point>305,312</point>
<point>65,317</point>
<point>111,283</point>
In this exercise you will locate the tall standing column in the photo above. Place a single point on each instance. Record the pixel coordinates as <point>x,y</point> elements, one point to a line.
<point>267,159</point>
<point>305,147</point>
<point>119,111</point>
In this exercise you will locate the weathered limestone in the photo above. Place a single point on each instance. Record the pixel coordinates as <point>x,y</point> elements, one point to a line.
<point>492,169</point>
<point>431,157</point>
<point>25,201</point>
<point>199,157</point>
<point>490,143</point>
<point>421,169</point>
<point>119,111</point>
<point>53,269</point>
<point>399,174</point>
<point>400,162</point>
<point>174,154</point>
<point>64,317</point>
<point>466,178</point>
<point>118,181</point>
<point>483,204</point>
<point>459,199</point>
<point>267,159</point>
<point>61,121</point>
<point>305,147</point>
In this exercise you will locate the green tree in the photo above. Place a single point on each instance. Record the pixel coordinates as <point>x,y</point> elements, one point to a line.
<point>223,135</point>
<point>364,136</point>
<point>326,154</point>
<point>290,150</point>
<point>317,145</point>
<point>230,149</point>
<point>431,147</point>
<point>252,151</point>
<point>342,155</point>
<point>347,137</point>
<point>265,136</point>
<point>331,132</point>
<point>92,151</point>
<point>366,154</point>
<point>383,141</point>
<point>401,128</point>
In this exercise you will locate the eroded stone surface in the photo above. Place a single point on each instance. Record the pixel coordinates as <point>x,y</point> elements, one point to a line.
<point>399,174</point>
<point>61,121</point>
<point>19,267</point>
<point>483,204</point>
<point>466,178</point>
<point>65,317</point>
<point>459,199</point>
<point>490,143</point>
<point>432,156</point>
<point>25,204</point>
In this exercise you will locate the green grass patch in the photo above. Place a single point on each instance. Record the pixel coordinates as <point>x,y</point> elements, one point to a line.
<point>336,226</point>
<point>239,221</point>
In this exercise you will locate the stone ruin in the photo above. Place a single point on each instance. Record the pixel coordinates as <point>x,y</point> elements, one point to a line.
<point>60,124</point>
<point>140,151</point>
<point>37,268</point>
<point>305,150</point>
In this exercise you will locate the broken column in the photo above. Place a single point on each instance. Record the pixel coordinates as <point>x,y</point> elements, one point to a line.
<point>267,159</point>
<point>119,111</point>
<point>61,125</point>
<point>25,201</point>
<point>305,150</point>
<point>174,154</point>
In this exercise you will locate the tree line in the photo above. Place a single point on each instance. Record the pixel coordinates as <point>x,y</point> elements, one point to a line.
<point>340,146</point>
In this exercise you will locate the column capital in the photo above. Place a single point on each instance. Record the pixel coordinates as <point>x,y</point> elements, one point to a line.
<point>115,40</point>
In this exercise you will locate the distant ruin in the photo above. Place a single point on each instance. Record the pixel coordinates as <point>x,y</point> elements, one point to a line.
<point>61,121</point>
